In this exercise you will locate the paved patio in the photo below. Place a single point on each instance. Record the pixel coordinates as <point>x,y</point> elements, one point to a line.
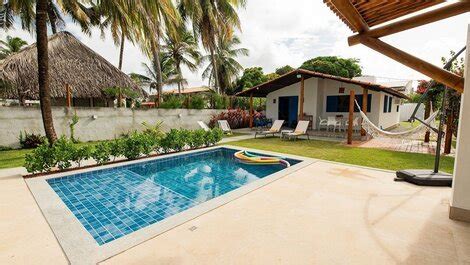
<point>325,213</point>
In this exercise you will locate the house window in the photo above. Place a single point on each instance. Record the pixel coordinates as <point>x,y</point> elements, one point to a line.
<point>386,104</point>
<point>398,108</point>
<point>341,103</point>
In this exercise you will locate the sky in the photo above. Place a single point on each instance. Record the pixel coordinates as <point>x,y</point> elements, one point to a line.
<point>291,32</point>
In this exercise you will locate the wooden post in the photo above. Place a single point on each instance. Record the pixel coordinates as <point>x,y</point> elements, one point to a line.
<point>230,103</point>
<point>449,132</point>
<point>119,100</point>
<point>302,89</point>
<point>69,96</point>
<point>365,97</point>
<point>251,111</point>
<point>351,115</point>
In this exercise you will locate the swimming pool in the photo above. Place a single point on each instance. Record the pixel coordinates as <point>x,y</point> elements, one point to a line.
<point>111,203</point>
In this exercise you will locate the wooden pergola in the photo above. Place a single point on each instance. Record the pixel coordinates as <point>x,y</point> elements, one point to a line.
<point>367,19</point>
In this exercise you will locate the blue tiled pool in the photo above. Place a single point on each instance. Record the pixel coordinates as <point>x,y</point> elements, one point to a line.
<point>111,203</point>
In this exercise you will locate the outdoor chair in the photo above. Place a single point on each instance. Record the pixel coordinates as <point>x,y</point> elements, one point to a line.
<point>356,126</point>
<point>276,128</point>
<point>300,130</point>
<point>203,126</point>
<point>322,123</point>
<point>224,126</point>
<point>332,121</point>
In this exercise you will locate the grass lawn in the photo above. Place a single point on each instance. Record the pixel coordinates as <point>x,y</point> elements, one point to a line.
<point>338,152</point>
<point>234,134</point>
<point>15,158</point>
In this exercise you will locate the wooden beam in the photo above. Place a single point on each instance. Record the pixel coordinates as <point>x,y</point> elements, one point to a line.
<point>440,75</point>
<point>413,22</point>
<point>251,110</point>
<point>351,14</point>
<point>68,95</point>
<point>351,115</point>
<point>365,93</point>
<point>301,101</point>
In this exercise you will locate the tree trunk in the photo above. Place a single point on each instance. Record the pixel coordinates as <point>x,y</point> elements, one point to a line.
<point>180,76</point>
<point>216,73</point>
<point>449,133</point>
<point>156,59</point>
<point>427,112</point>
<point>121,51</point>
<point>52,17</point>
<point>43,70</point>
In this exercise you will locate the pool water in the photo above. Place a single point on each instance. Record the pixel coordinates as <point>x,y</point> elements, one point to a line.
<point>111,203</point>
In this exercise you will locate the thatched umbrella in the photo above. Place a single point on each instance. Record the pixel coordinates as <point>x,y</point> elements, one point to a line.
<point>71,63</point>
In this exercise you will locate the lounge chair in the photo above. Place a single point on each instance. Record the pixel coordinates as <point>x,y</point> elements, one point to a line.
<point>203,126</point>
<point>300,130</point>
<point>224,126</point>
<point>276,128</point>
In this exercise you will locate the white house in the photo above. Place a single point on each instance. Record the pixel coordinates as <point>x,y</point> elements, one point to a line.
<point>404,86</point>
<point>326,95</point>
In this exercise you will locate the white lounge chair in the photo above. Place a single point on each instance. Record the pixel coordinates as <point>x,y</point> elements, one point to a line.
<point>203,126</point>
<point>276,128</point>
<point>300,130</point>
<point>224,126</point>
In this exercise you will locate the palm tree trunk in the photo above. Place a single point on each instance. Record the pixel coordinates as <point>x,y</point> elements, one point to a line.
<point>180,76</point>
<point>156,58</point>
<point>216,73</point>
<point>52,17</point>
<point>121,51</point>
<point>43,70</point>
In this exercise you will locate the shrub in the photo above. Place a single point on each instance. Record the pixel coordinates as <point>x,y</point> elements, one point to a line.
<point>63,150</point>
<point>154,131</point>
<point>31,140</point>
<point>102,152</point>
<point>72,124</point>
<point>197,102</point>
<point>172,141</point>
<point>40,159</point>
<point>197,138</point>
<point>116,148</point>
<point>172,102</point>
<point>213,136</point>
<point>137,144</point>
<point>82,153</point>
<point>236,118</point>
<point>5,148</point>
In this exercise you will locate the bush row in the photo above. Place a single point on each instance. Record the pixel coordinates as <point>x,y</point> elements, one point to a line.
<point>64,153</point>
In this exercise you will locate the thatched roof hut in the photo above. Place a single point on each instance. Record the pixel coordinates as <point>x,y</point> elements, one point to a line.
<point>70,63</point>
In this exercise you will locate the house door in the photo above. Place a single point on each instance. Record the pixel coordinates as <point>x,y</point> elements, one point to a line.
<point>288,110</point>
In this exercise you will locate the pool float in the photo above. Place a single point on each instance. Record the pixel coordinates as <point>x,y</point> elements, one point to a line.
<point>252,159</point>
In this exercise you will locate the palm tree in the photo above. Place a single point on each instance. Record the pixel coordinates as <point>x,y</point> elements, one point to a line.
<point>152,18</point>
<point>11,45</point>
<point>43,70</point>
<point>169,74</point>
<point>225,57</point>
<point>118,19</point>
<point>181,49</point>
<point>210,20</point>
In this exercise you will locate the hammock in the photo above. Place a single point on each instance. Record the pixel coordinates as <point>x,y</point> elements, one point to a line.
<point>376,132</point>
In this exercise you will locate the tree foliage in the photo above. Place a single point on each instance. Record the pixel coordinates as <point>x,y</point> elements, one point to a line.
<point>284,70</point>
<point>334,65</point>
<point>251,77</point>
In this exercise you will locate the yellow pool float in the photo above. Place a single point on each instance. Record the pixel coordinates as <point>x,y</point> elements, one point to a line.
<point>253,159</point>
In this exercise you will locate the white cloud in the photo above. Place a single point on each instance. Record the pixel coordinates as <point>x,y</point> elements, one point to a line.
<point>279,32</point>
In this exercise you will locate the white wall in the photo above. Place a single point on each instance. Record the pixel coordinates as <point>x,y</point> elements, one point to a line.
<point>110,122</point>
<point>316,91</point>
<point>460,203</point>
<point>406,110</point>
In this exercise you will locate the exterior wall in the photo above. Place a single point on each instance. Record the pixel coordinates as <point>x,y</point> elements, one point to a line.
<point>407,110</point>
<point>316,92</point>
<point>460,203</point>
<point>109,122</point>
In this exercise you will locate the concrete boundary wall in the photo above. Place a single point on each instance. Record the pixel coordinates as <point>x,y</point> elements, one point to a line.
<point>95,123</point>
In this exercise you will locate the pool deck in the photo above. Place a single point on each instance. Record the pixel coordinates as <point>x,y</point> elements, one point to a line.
<point>325,213</point>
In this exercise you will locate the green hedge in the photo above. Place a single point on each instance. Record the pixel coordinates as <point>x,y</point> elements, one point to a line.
<point>64,154</point>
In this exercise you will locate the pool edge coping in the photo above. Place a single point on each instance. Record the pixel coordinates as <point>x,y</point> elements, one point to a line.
<point>81,247</point>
